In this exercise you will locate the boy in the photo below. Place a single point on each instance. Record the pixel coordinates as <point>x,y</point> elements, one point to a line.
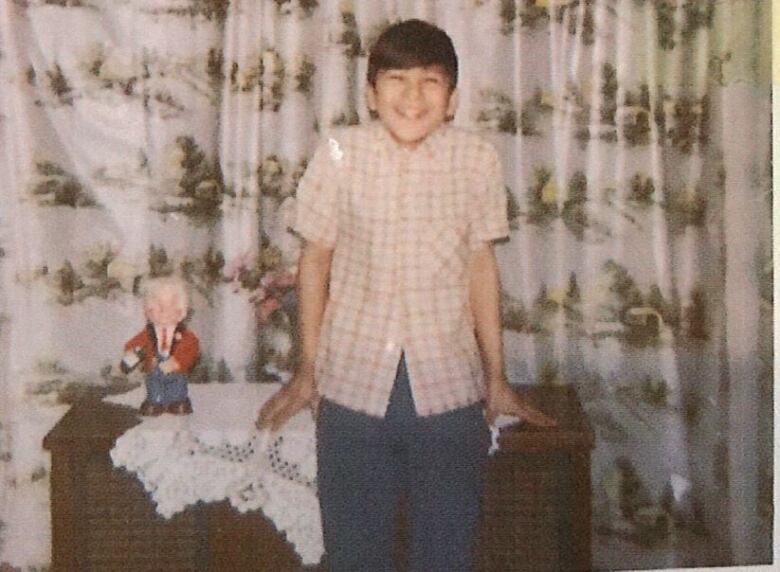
<point>398,297</point>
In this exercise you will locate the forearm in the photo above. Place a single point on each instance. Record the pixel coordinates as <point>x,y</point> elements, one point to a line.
<point>485,307</point>
<point>484,294</point>
<point>312,293</point>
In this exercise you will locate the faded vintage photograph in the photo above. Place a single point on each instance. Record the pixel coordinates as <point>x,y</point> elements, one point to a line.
<point>425,285</point>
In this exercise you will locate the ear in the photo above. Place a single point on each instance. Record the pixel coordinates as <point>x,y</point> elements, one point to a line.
<point>452,106</point>
<point>370,97</point>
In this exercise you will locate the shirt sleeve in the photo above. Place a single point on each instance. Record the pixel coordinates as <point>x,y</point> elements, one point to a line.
<point>316,211</point>
<point>488,210</point>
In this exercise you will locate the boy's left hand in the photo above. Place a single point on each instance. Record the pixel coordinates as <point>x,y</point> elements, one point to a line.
<point>502,399</point>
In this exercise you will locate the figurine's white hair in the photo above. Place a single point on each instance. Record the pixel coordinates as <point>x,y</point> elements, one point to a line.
<point>156,287</point>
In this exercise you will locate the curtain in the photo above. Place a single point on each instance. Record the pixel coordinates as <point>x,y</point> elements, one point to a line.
<point>142,138</point>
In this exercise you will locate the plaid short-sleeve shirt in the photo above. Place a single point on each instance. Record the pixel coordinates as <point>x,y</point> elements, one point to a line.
<point>402,224</point>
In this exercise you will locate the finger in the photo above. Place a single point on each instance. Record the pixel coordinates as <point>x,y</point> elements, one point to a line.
<point>262,420</point>
<point>490,415</point>
<point>546,420</point>
<point>268,407</point>
<point>269,410</point>
<point>540,419</point>
<point>288,410</point>
<point>288,405</point>
<point>279,414</point>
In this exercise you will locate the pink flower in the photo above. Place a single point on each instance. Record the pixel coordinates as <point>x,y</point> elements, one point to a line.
<point>286,280</point>
<point>259,295</point>
<point>278,280</point>
<point>267,280</point>
<point>267,307</point>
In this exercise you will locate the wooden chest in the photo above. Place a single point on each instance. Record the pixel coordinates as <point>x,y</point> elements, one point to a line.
<point>536,503</point>
<point>535,517</point>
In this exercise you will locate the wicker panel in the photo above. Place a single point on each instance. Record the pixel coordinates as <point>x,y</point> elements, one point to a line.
<point>523,524</point>
<point>249,542</point>
<point>123,531</point>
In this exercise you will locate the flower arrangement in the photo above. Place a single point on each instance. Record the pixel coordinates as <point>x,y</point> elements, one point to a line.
<point>276,293</point>
<point>271,292</point>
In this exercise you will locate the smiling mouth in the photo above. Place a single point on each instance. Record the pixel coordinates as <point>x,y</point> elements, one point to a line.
<point>411,115</point>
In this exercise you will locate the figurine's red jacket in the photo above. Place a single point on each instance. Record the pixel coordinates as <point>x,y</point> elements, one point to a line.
<point>184,347</point>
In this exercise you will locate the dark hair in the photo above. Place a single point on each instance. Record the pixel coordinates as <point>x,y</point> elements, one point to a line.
<point>413,43</point>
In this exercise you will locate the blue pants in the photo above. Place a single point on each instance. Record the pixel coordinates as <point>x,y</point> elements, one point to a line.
<point>365,463</point>
<point>165,388</point>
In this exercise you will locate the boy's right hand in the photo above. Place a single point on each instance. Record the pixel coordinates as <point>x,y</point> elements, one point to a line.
<point>298,393</point>
<point>503,399</point>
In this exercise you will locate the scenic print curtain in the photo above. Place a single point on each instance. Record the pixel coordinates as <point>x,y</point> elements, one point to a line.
<point>141,138</point>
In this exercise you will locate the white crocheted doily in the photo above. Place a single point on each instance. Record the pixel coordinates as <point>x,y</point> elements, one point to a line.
<point>216,453</point>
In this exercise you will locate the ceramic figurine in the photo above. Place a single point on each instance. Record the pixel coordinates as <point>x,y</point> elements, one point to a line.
<point>166,348</point>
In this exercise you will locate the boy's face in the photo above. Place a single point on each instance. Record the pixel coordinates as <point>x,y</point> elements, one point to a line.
<point>412,103</point>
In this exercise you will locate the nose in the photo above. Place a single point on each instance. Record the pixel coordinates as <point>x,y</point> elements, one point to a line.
<point>413,90</point>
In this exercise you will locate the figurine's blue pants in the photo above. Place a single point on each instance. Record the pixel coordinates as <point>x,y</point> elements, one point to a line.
<point>165,388</point>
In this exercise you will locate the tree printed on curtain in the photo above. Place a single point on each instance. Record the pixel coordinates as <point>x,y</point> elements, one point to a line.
<point>142,138</point>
